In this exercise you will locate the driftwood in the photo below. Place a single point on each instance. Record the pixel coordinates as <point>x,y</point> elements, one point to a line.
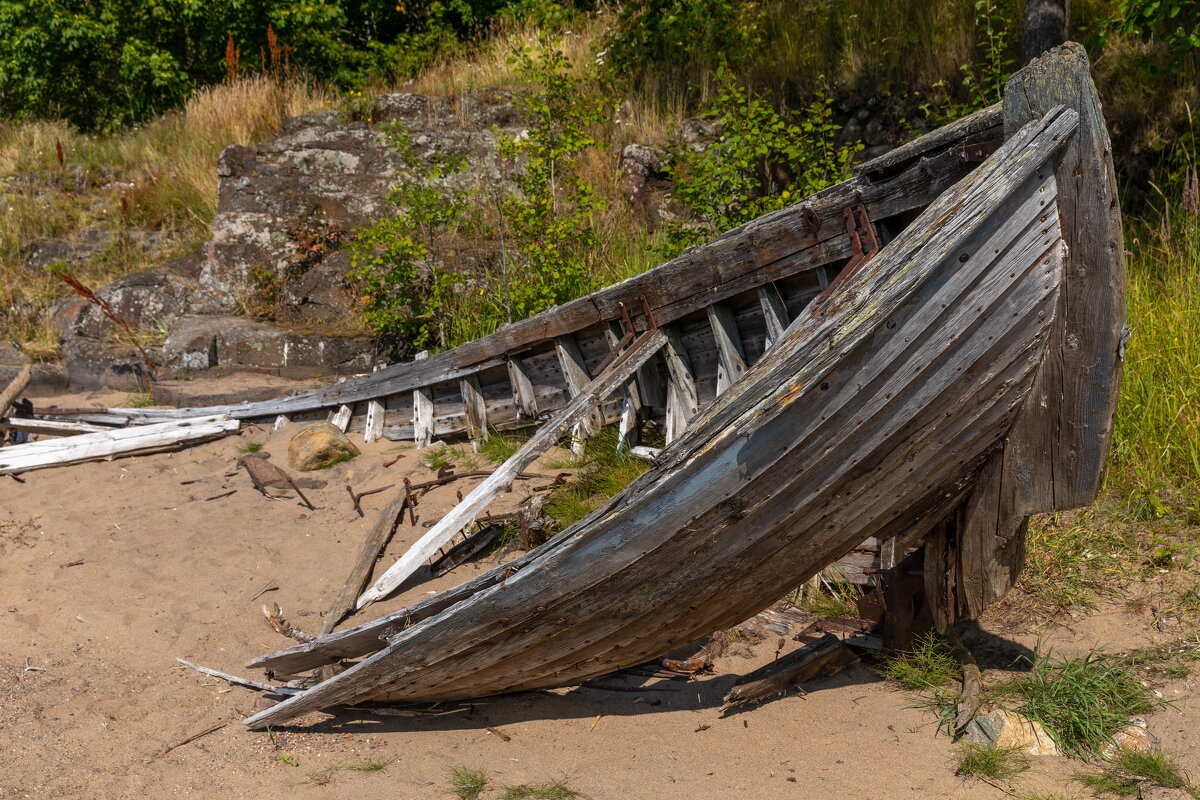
<point>874,405</point>
<point>14,388</point>
<point>249,684</point>
<point>49,427</point>
<point>822,658</point>
<point>971,696</point>
<point>483,494</point>
<point>105,444</point>
<point>377,539</point>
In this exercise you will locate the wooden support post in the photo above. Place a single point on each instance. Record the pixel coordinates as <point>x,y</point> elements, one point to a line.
<point>774,313</point>
<point>341,418</point>
<point>475,409</point>
<point>422,411</point>
<point>628,434</point>
<point>575,372</point>
<point>731,358</point>
<point>360,573</point>
<point>522,389</point>
<point>682,403</point>
<point>373,429</point>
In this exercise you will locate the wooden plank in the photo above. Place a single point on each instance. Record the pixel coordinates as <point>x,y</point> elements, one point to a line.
<point>682,402</point>
<point>280,421</point>
<point>522,388</point>
<point>14,388</point>
<point>838,432</point>
<point>731,356</point>
<point>423,429</point>
<point>340,419</point>
<point>373,428</point>
<point>483,494</point>
<point>628,430</point>
<point>822,658</point>
<point>574,370</point>
<point>774,313</point>
<point>104,444</point>
<point>974,127</point>
<point>49,427</point>
<point>374,544</point>
<point>475,408</point>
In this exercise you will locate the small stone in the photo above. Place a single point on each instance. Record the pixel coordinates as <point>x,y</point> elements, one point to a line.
<point>319,445</point>
<point>1133,738</point>
<point>1003,728</point>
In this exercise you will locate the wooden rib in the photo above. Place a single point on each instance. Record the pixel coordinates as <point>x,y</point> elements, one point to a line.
<point>731,357</point>
<point>682,403</point>
<point>522,389</point>
<point>774,313</point>
<point>422,410</point>
<point>17,385</point>
<point>482,495</point>
<point>373,428</point>
<point>631,401</point>
<point>475,408</point>
<point>341,418</point>
<point>570,361</point>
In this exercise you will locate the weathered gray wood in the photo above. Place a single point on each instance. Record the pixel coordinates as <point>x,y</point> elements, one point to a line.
<point>774,313</point>
<point>341,418</point>
<point>374,544</point>
<point>522,387</point>
<point>483,494</point>
<point>575,372</point>
<point>682,402</point>
<point>423,428</point>
<point>979,126</point>
<point>14,388</point>
<point>631,401</point>
<point>837,432</point>
<point>103,444</point>
<point>49,427</point>
<point>1044,25</point>
<point>731,357</point>
<point>280,421</point>
<point>822,658</point>
<point>475,407</point>
<point>373,427</point>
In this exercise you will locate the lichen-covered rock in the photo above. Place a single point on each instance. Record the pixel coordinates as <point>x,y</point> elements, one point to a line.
<point>1133,738</point>
<point>319,445</point>
<point>1003,728</point>
<point>209,341</point>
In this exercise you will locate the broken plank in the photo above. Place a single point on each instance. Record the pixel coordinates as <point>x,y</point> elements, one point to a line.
<point>774,312</point>
<point>103,444</point>
<point>341,418</point>
<point>475,408</point>
<point>522,389</point>
<point>14,388</point>
<point>280,421</point>
<point>49,427</point>
<point>483,494</point>
<point>682,402</point>
<point>575,372</point>
<point>822,658</point>
<point>377,539</point>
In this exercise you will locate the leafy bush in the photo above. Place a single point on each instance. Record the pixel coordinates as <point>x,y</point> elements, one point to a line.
<point>396,259</point>
<point>761,162</point>
<point>982,79</point>
<point>1175,22</point>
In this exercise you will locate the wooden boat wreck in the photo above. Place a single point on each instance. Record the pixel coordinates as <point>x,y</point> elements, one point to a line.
<point>922,356</point>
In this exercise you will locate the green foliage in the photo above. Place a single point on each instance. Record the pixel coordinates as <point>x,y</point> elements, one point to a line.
<point>928,665</point>
<point>107,63</point>
<point>603,473</point>
<point>1110,783</point>
<point>998,763</point>
<point>499,447</point>
<point>836,599</point>
<point>685,37</point>
<point>1082,701</point>
<point>546,228</point>
<point>982,80</point>
<point>1175,22</point>
<point>547,791</point>
<point>1158,767</point>
<point>761,162</point>
<point>396,260</point>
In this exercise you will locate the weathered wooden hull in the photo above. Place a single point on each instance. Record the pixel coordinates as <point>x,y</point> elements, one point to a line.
<point>879,403</point>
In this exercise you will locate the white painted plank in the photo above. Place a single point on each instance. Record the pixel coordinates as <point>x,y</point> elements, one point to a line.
<point>88,446</point>
<point>682,402</point>
<point>774,312</point>
<point>373,429</point>
<point>341,418</point>
<point>423,410</point>
<point>49,427</point>
<point>280,421</point>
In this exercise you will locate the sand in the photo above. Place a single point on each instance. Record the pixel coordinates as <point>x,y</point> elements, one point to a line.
<point>114,569</point>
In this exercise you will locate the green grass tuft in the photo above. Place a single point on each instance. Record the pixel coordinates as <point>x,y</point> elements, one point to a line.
<point>928,665</point>
<point>1158,767</point>
<point>1082,701</point>
<point>547,791</point>
<point>603,473</point>
<point>370,765</point>
<point>467,783</point>
<point>499,447</point>
<point>250,447</point>
<point>999,763</point>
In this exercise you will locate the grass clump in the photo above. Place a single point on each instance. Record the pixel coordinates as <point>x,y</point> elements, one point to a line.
<point>467,783</point>
<point>1081,701</point>
<point>928,665</point>
<point>250,447</point>
<point>547,791</point>
<point>1130,768</point>
<point>1110,783</point>
<point>603,473</point>
<point>829,599</point>
<point>998,763</point>
<point>499,447</point>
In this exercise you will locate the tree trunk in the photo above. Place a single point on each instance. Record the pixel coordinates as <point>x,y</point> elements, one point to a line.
<point>1045,26</point>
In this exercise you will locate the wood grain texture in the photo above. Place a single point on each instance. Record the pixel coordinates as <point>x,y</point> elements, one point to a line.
<point>14,388</point>
<point>876,401</point>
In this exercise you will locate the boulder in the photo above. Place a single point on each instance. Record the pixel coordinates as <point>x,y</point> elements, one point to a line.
<point>200,342</point>
<point>319,445</point>
<point>1133,738</point>
<point>1003,728</point>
